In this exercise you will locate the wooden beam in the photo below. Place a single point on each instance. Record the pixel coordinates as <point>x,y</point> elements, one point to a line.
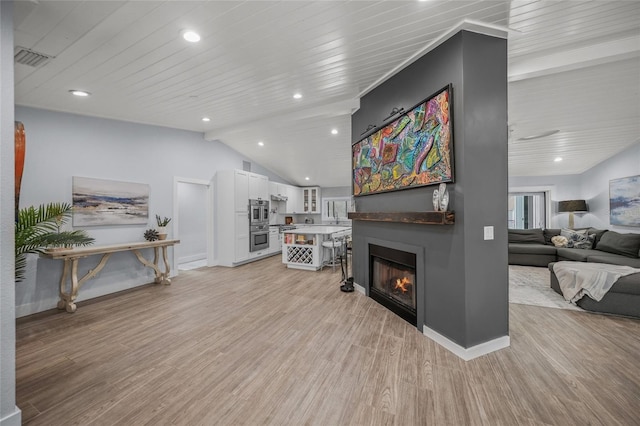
<point>421,218</point>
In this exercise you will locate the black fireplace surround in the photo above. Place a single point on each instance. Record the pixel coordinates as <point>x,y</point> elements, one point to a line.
<point>392,280</point>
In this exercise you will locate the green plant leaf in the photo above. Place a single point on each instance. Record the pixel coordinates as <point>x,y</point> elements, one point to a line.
<point>39,227</point>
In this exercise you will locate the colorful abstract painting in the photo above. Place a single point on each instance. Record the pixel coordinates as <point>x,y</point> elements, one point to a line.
<point>624,201</point>
<point>99,202</point>
<point>413,150</point>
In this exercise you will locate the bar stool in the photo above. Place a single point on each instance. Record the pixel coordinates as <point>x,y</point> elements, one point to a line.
<point>333,244</point>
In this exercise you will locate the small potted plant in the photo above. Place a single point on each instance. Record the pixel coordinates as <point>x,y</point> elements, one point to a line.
<point>162,227</point>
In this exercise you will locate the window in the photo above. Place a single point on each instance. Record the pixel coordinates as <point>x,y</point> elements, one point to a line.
<point>336,209</point>
<point>527,210</point>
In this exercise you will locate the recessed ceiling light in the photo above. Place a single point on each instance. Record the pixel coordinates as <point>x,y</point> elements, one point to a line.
<point>557,159</point>
<point>206,119</point>
<point>261,143</point>
<point>334,131</point>
<point>79,93</point>
<point>191,36</point>
<point>297,96</point>
<point>307,178</point>
<point>540,135</point>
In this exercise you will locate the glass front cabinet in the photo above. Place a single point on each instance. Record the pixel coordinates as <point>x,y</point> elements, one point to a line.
<point>311,200</point>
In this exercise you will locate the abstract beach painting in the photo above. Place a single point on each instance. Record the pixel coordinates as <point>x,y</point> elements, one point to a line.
<point>99,202</point>
<point>624,201</point>
<point>413,150</point>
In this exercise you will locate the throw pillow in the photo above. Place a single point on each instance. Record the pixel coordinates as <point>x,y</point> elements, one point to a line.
<point>549,234</point>
<point>624,244</point>
<point>599,233</point>
<point>559,241</point>
<point>578,239</point>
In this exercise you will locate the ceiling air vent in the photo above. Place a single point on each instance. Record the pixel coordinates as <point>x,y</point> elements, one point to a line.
<point>28,57</point>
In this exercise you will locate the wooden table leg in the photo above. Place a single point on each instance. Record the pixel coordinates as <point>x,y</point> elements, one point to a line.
<point>64,296</point>
<point>156,257</point>
<point>160,277</point>
<point>67,299</point>
<point>167,267</point>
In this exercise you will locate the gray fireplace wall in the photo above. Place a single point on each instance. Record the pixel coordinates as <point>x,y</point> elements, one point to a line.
<point>466,283</point>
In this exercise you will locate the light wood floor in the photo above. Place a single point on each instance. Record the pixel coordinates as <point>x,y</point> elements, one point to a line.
<point>261,344</point>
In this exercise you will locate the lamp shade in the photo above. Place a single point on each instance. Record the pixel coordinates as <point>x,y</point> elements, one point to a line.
<point>572,206</point>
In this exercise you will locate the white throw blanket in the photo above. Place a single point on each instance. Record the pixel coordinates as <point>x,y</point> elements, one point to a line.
<point>577,279</point>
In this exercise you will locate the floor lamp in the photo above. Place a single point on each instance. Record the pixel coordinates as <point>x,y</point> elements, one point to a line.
<point>572,206</point>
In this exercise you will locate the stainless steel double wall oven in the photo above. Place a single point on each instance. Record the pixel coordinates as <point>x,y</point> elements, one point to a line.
<point>258,225</point>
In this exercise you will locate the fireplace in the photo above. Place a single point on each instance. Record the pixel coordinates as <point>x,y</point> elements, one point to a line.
<point>392,276</point>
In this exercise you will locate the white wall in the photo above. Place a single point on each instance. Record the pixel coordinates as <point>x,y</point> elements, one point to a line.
<point>595,187</point>
<point>9,414</point>
<point>592,185</point>
<point>336,191</point>
<point>61,145</point>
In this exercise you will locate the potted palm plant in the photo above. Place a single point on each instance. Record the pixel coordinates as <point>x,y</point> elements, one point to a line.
<point>40,228</point>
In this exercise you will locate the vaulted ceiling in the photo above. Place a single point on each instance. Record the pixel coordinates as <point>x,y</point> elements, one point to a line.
<point>574,68</point>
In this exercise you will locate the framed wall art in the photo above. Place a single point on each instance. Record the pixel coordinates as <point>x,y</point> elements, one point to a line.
<point>98,202</point>
<point>624,201</point>
<point>415,149</point>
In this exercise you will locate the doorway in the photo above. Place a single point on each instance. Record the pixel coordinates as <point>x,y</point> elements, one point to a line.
<point>193,215</point>
<point>527,210</point>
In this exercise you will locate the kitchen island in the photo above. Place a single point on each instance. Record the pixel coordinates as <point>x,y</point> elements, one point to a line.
<point>302,247</point>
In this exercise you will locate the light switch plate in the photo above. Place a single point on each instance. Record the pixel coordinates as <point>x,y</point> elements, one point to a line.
<point>488,232</point>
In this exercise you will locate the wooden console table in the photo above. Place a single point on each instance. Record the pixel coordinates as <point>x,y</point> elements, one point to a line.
<point>71,257</point>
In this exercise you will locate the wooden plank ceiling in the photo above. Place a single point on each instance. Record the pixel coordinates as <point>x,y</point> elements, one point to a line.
<point>574,67</point>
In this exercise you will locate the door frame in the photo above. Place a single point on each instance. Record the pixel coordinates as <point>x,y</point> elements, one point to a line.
<point>208,212</point>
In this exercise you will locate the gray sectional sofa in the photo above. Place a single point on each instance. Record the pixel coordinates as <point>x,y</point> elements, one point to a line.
<point>533,247</point>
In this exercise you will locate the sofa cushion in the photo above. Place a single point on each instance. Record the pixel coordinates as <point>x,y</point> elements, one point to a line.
<point>629,284</point>
<point>526,236</point>
<point>527,248</point>
<point>550,233</point>
<point>577,255</point>
<point>614,259</point>
<point>578,239</point>
<point>598,233</point>
<point>624,244</point>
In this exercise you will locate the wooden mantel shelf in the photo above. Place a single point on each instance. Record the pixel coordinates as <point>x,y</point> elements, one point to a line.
<point>421,218</point>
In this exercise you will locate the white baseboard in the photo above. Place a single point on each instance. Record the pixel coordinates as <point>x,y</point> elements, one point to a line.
<point>13,419</point>
<point>192,258</point>
<point>35,307</point>
<point>360,288</point>
<point>467,353</point>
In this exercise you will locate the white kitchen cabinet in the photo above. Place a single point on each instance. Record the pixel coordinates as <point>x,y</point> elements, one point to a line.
<point>294,199</point>
<point>232,193</point>
<point>278,189</point>
<point>259,254</point>
<point>241,190</point>
<point>241,237</point>
<point>258,187</point>
<point>275,242</point>
<point>273,188</point>
<point>311,200</point>
<point>293,194</point>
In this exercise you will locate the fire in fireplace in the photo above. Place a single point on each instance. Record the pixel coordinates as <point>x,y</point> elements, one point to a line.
<point>392,278</point>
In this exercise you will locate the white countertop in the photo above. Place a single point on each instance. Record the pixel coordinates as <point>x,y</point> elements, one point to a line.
<point>318,229</point>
